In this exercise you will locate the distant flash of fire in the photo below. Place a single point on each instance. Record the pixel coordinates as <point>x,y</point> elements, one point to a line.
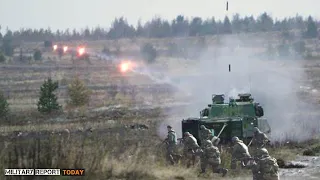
<point>126,66</point>
<point>81,51</point>
<point>65,48</point>
<point>55,47</point>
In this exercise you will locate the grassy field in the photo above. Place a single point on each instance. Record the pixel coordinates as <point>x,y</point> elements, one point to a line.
<point>111,151</point>
<point>101,139</point>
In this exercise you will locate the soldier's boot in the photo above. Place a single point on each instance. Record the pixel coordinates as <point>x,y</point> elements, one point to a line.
<point>203,168</point>
<point>224,172</point>
<point>188,164</point>
<point>243,165</point>
<point>255,176</point>
<point>171,159</point>
<point>172,162</point>
<point>233,165</point>
<point>177,158</point>
<point>202,172</point>
<point>193,160</point>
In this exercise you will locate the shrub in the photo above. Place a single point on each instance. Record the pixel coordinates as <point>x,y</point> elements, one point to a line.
<point>112,91</point>
<point>173,49</point>
<point>283,50</point>
<point>48,101</point>
<point>37,55</point>
<point>2,57</point>
<point>7,47</point>
<point>148,52</point>
<point>48,44</point>
<point>271,51</point>
<point>4,106</point>
<point>60,52</point>
<point>287,35</point>
<point>106,50</point>
<point>79,94</point>
<point>309,152</point>
<point>299,47</point>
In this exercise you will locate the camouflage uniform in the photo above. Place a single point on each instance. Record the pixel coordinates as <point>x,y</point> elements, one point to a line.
<point>260,139</point>
<point>190,148</point>
<point>240,152</point>
<point>215,140</point>
<point>171,141</point>
<point>265,167</point>
<point>205,134</point>
<point>211,156</point>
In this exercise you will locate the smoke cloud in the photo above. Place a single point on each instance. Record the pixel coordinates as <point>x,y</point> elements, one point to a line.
<point>274,84</point>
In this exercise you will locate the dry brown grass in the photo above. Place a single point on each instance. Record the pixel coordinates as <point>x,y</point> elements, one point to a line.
<point>109,152</point>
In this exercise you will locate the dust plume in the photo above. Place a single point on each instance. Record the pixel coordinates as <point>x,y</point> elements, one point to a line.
<point>274,84</point>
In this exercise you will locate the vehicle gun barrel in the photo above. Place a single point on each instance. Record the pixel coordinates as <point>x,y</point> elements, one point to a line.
<point>250,142</point>
<point>216,138</point>
<point>225,125</point>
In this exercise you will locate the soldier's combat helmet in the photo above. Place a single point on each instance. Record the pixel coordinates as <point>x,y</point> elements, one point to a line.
<point>202,127</point>
<point>187,134</point>
<point>263,152</point>
<point>170,127</point>
<point>207,143</point>
<point>235,139</point>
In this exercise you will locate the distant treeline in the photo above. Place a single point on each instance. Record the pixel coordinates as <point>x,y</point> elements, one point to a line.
<point>178,27</point>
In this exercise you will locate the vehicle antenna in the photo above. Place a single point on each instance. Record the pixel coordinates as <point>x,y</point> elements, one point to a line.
<point>227,6</point>
<point>250,82</point>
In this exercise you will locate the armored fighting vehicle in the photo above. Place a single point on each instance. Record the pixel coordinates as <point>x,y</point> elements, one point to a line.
<point>237,117</point>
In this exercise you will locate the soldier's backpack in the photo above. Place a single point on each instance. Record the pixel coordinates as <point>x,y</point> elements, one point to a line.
<point>270,165</point>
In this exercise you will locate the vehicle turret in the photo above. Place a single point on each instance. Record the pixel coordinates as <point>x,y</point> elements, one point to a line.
<point>244,105</point>
<point>217,98</point>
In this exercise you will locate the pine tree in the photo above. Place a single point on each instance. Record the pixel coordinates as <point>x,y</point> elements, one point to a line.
<point>4,106</point>
<point>2,57</point>
<point>79,94</point>
<point>227,28</point>
<point>48,100</point>
<point>149,52</point>
<point>37,55</point>
<point>312,30</point>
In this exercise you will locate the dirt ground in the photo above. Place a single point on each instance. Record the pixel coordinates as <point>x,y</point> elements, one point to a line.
<point>312,171</point>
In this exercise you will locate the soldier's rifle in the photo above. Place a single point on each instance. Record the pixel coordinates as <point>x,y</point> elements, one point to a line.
<point>262,146</point>
<point>250,161</point>
<point>180,140</point>
<point>165,141</point>
<point>252,158</point>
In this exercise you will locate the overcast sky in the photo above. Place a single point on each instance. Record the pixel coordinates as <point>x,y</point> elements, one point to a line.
<point>63,14</point>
